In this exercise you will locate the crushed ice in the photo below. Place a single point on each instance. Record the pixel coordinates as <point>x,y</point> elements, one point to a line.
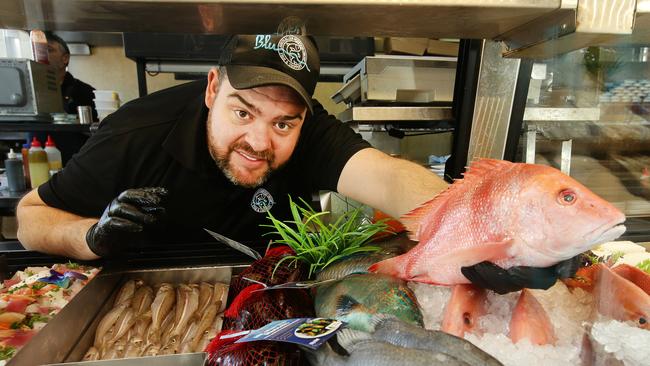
<point>571,313</point>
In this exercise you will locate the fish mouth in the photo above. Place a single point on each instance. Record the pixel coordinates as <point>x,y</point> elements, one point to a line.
<point>605,233</point>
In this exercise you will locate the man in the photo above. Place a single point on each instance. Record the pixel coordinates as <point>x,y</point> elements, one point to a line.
<point>73,91</point>
<point>221,153</point>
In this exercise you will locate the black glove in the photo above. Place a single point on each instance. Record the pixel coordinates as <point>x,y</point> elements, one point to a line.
<point>489,275</point>
<point>122,224</point>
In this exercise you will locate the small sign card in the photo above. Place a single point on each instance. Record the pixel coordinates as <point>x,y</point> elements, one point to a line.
<point>308,332</point>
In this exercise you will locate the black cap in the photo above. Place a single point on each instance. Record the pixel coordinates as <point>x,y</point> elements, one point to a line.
<point>257,60</point>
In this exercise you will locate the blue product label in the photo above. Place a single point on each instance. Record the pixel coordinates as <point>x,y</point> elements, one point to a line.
<point>309,332</point>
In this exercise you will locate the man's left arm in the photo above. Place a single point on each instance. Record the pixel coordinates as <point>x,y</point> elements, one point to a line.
<point>392,185</point>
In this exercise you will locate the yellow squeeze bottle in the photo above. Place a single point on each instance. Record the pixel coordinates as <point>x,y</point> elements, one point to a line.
<point>39,169</point>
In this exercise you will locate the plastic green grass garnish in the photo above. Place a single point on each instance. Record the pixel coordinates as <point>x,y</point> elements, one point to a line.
<point>318,244</point>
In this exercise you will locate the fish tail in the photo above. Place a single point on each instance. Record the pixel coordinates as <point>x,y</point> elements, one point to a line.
<point>391,266</point>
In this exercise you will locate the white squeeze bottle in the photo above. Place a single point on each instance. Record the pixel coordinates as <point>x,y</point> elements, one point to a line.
<point>38,167</point>
<point>53,156</point>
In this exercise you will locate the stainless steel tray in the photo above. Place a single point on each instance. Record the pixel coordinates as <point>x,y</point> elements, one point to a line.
<point>70,333</point>
<point>187,359</point>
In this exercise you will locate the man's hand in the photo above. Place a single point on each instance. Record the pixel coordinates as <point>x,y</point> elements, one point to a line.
<point>122,224</point>
<point>489,275</point>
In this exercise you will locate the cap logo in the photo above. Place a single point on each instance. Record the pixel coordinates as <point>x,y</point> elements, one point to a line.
<point>290,49</point>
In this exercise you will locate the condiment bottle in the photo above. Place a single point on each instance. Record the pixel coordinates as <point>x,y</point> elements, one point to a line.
<point>15,175</point>
<point>39,170</point>
<point>39,46</point>
<point>53,156</point>
<point>25,153</point>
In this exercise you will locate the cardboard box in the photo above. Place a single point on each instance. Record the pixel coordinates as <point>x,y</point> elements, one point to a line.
<point>405,46</point>
<point>442,48</point>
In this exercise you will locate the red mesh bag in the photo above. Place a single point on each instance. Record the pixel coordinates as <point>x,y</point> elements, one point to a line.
<point>262,271</point>
<point>226,352</point>
<point>254,309</point>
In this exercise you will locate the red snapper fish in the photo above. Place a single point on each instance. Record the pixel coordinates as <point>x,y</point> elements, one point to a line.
<point>511,214</point>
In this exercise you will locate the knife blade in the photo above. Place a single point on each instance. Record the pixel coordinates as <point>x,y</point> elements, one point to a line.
<point>235,245</point>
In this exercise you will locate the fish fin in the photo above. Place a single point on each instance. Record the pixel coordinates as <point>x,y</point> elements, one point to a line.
<point>476,171</point>
<point>347,338</point>
<point>421,270</point>
<point>487,251</point>
<point>378,320</point>
<point>530,320</point>
<point>413,219</point>
<point>484,166</point>
<point>390,266</point>
<point>346,305</point>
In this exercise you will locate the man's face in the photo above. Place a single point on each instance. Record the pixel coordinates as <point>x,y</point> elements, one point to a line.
<point>252,132</point>
<point>57,56</point>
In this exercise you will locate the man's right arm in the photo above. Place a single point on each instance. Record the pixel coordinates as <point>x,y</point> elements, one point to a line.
<point>50,230</point>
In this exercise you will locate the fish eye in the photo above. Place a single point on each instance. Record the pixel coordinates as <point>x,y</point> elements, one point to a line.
<point>642,321</point>
<point>567,197</point>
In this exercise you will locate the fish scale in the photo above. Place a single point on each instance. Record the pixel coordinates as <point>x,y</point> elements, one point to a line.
<point>512,214</point>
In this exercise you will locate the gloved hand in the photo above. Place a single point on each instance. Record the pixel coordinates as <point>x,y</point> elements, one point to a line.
<point>489,275</point>
<point>122,224</point>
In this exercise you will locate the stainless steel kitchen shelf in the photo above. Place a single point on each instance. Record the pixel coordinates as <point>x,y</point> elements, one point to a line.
<point>392,114</point>
<point>529,28</point>
<point>561,114</point>
<point>423,18</point>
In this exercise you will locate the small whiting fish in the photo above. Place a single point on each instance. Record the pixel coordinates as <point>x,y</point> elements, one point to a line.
<point>125,294</point>
<point>140,327</point>
<point>92,354</point>
<point>391,330</point>
<point>530,321</point>
<point>220,294</point>
<point>359,263</point>
<point>142,299</point>
<point>511,214</point>
<point>466,305</point>
<point>107,323</point>
<point>363,351</point>
<point>188,302</point>
<point>122,325</point>
<point>356,298</point>
<point>162,304</point>
<point>166,328</point>
<point>184,345</point>
<point>206,292</point>
<point>132,350</point>
<point>620,299</point>
<point>204,324</point>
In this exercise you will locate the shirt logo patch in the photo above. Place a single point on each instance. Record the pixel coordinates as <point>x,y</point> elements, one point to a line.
<point>262,201</point>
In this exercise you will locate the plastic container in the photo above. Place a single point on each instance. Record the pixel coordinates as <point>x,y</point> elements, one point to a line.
<point>15,175</point>
<point>25,153</point>
<point>53,156</point>
<point>107,104</point>
<point>103,113</point>
<point>39,46</point>
<point>106,95</point>
<point>39,169</point>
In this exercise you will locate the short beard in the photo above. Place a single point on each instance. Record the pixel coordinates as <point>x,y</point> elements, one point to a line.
<point>223,160</point>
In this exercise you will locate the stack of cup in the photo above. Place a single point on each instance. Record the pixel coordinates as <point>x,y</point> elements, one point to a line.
<point>106,102</point>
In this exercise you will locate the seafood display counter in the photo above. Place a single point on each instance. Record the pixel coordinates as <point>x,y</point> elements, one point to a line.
<point>67,338</point>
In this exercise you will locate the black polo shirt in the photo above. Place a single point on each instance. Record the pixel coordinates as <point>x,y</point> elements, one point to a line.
<point>160,140</point>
